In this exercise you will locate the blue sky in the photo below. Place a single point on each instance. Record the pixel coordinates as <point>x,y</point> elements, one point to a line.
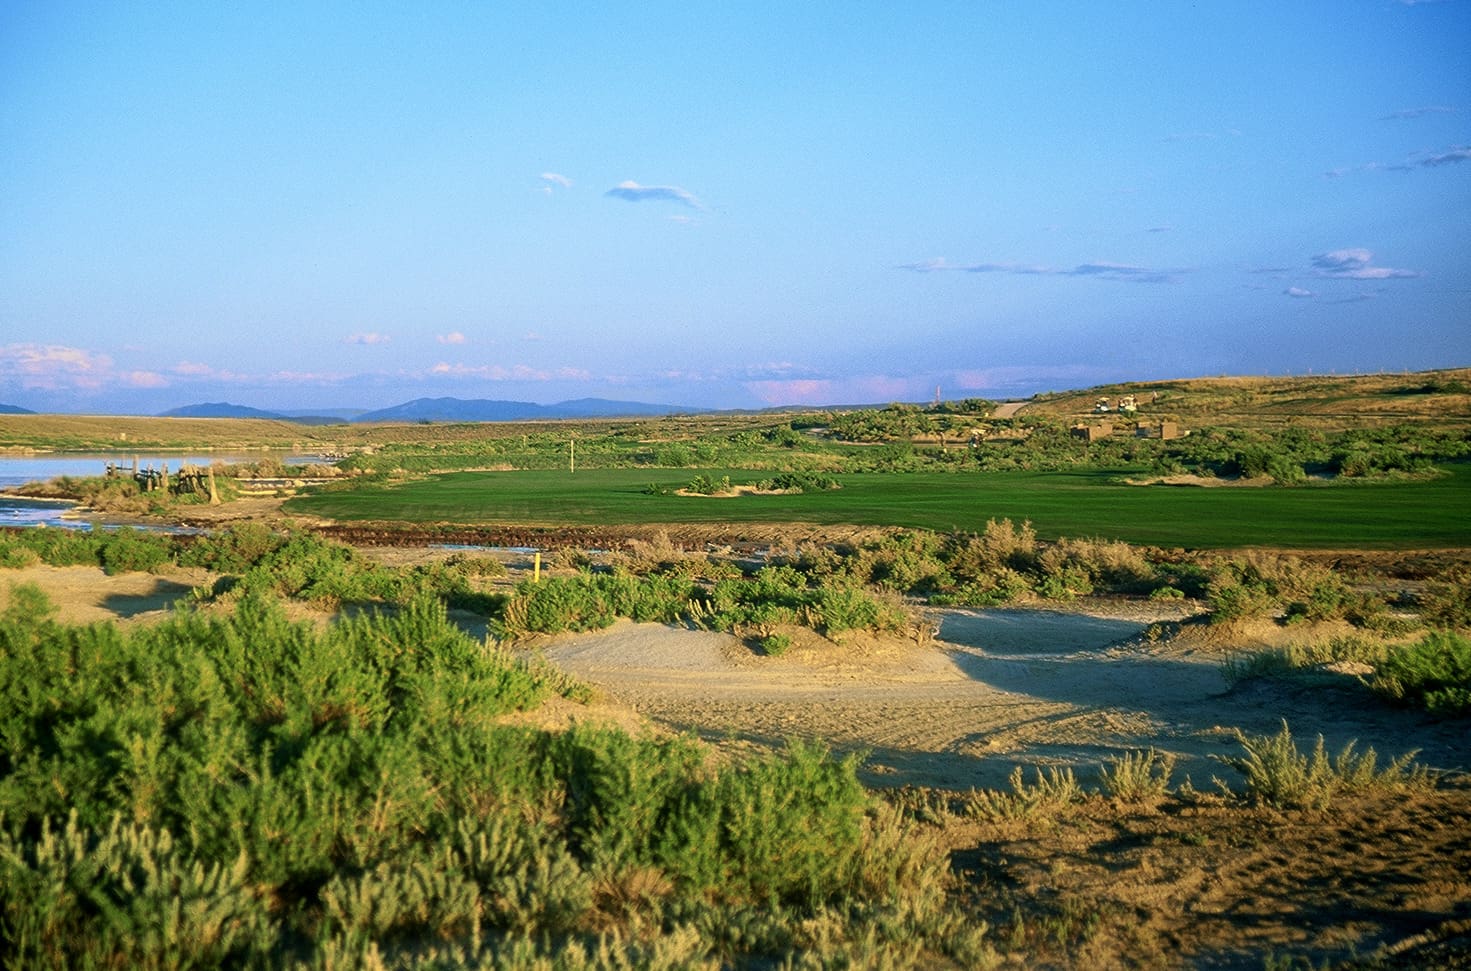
<point>722,205</point>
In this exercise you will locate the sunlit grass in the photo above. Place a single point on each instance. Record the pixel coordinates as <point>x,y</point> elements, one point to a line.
<point>1385,515</point>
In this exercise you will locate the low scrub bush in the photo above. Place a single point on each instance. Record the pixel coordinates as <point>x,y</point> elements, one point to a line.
<point>58,547</point>
<point>1433,674</point>
<point>234,549</point>
<point>1262,585</point>
<point>799,482</point>
<point>707,485</point>
<point>1138,776</point>
<point>1054,791</point>
<point>233,788</point>
<point>128,550</point>
<point>1305,656</point>
<point>1278,774</point>
<point>1446,602</point>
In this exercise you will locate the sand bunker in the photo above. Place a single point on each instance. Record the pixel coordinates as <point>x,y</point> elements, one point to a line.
<point>997,689</point>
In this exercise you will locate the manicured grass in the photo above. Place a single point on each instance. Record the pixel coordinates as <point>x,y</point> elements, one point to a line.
<point>1370,515</point>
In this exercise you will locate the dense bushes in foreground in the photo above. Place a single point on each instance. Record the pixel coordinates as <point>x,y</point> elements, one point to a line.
<point>238,789</point>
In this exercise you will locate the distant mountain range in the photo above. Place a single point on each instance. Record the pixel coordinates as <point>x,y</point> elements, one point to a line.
<point>439,409</point>
<point>223,409</point>
<point>15,410</point>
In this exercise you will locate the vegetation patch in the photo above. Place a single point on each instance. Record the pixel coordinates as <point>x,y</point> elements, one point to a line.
<point>1278,774</point>
<point>237,789</point>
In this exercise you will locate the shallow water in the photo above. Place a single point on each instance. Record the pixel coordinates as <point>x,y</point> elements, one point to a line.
<point>19,470</point>
<point>15,511</point>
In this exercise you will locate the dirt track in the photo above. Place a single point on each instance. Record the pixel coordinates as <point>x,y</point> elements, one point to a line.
<point>996,689</point>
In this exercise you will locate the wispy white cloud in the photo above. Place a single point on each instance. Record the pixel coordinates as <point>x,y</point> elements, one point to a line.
<point>516,372</point>
<point>633,192</point>
<point>308,377</point>
<point>1299,293</point>
<point>1099,270</point>
<point>1456,153</point>
<point>1355,263</point>
<point>554,178</point>
<point>367,338</point>
<point>1408,114</point>
<point>143,379</point>
<point>453,337</point>
<point>1420,160</point>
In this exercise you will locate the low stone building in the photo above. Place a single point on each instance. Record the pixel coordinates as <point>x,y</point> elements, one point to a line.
<point>1165,430</point>
<point>1092,433</point>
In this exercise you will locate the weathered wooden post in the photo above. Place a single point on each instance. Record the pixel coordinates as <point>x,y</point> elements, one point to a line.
<point>214,497</point>
<point>536,567</point>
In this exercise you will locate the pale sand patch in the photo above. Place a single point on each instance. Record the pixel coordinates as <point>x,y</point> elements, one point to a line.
<point>998,688</point>
<point>85,594</point>
<point>995,689</point>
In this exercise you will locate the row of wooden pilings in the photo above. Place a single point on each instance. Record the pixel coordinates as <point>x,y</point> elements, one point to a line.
<point>190,479</point>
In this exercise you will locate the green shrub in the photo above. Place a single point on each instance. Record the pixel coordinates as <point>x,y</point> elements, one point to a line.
<point>1278,774</point>
<point>231,788</point>
<point>234,549</point>
<point>129,550</point>
<point>1230,599</point>
<point>775,645</point>
<point>1447,601</point>
<point>1054,791</point>
<point>16,556</point>
<point>307,567</point>
<point>799,482</point>
<point>706,485</point>
<point>786,828</point>
<point>129,895</point>
<point>840,609</point>
<point>60,547</point>
<point>1138,776</point>
<point>1434,674</point>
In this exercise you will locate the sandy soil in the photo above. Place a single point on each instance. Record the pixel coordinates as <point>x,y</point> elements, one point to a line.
<point>85,594</point>
<point>997,688</point>
<point>993,689</point>
<point>1184,882</point>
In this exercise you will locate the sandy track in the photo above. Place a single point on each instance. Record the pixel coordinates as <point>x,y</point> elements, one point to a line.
<point>997,689</point>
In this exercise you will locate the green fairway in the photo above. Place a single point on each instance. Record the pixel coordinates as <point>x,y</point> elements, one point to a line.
<point>1373,515</point>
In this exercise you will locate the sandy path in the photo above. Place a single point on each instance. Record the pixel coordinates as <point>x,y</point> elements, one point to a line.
<point>1007,409</point>
<point>997,689</point>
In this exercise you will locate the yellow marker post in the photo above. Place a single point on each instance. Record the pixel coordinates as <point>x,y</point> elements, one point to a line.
<point>536,568</point>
